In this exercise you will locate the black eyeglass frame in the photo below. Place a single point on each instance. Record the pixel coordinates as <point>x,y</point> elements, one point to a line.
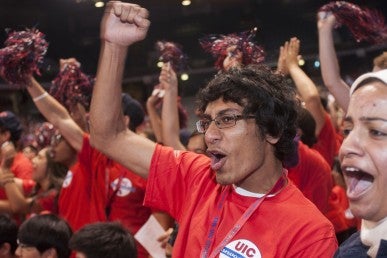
<point>221,121</point>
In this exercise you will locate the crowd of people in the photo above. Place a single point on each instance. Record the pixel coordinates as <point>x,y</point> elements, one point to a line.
<point>271,170</point>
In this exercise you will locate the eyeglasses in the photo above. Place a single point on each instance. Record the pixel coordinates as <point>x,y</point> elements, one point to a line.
<point>221,121</point>
<point>55,139</point>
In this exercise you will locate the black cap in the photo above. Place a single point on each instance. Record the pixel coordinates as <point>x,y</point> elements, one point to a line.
<point>11,123</point>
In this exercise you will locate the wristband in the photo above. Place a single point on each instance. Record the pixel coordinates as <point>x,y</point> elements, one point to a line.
<point>36,99</point>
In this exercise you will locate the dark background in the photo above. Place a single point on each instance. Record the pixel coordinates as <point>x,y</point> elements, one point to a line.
<point>72,30</point>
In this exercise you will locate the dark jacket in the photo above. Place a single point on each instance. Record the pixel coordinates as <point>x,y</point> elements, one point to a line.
<point>354,248</point>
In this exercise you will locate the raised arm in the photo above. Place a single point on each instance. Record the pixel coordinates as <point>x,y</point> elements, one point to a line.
<point>122,25</point>
<point>56,114</point>
<point>330,69</point>
<point>154,117</point>
<point>305,86</point>
<point>170,113</point>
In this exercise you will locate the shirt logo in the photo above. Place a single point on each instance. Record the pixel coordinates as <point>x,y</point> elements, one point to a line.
<point>240,248</point>
<point>68,179</point>
<point>126,187</point>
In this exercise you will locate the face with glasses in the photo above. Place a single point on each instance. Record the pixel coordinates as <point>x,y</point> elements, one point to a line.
<point>60,150</point>
<point>239,153</point>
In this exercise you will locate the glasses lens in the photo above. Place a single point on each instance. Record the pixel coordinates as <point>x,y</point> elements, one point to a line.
<point>56,139</point>
<point>200,126</point>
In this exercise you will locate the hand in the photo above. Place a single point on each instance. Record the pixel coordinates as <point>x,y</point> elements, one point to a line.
<point>156,97</point>
<point>326,20</point>
<point>6,177</point>
<point>8,153</point>
<point>281,63</point>
<point>63,63</point>
<point>168,78</point>
<point>124,23</point>
<point>292,52</point>
<point>234,58</point>
<point>163,239</point>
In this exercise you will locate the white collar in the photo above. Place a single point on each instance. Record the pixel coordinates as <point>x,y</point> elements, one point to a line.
<point>244,192</point>
<point>371,233</point>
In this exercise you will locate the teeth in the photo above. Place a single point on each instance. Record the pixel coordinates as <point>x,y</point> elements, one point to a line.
<point>351,169</point>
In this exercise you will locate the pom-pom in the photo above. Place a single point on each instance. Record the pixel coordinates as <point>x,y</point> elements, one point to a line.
<point>72,86</point>
<point>172,52</point>
<point>45,135</point>
<point>23,53</point>
<point>218,46</point>
<point>365,24</point>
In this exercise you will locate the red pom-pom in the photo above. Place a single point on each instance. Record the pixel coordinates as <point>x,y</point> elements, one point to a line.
<point>22,55</point>
<point>217,45</point>
<point>72,86</point>
<point>365,24</point>
<point>45,135</point>
<point>172,52</point>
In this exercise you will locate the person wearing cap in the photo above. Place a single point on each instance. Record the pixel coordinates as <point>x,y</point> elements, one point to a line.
<point>363,157</point>
<point>237,203</point>
<point>10,131</point>
<point>95,188</point>
<point>45,235</point>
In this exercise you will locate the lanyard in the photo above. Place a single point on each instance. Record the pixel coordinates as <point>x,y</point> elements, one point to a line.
<point>238,225</point>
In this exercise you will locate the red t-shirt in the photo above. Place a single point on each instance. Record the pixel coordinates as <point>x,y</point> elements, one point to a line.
<point>125,203</point>
<point>91,186</point>
<point>339,213</point>
<point>44,202</point>
<point>312,176</point>
<point>21,168</point>
<point>326,141</point>
<point>286,225</point>
<point>76,204</point>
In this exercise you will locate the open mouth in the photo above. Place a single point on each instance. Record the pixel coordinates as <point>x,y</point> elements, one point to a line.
<point>358,182</point>
<point>217,159</point>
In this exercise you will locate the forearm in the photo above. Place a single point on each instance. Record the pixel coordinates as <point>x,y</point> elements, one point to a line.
<point>170,120</point>
<point>105,113</point>
<point>330,69</point>
<point>108,132</point>
<point>5,206</point>
<point>48,106</point>
<point>56,114</point>
<point>155,121</point>
<point>305,86</point>
<point>16,198</point>
<point>309,94</point>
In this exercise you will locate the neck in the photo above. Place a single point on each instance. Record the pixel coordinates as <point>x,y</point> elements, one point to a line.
<point>70,161</point>
<point>263,180</point>
<point>45,184</point>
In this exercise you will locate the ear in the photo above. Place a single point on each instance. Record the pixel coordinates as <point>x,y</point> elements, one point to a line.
<point>5,136</point>
<point>126,120</point>
<point>272,140</point>
<point>50,253</point>
<point>5,250</point>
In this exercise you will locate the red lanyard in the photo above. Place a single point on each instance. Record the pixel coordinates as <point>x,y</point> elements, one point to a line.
<point>238,225</point>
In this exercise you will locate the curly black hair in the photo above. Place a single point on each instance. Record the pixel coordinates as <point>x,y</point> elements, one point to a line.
<point>262,93</point>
